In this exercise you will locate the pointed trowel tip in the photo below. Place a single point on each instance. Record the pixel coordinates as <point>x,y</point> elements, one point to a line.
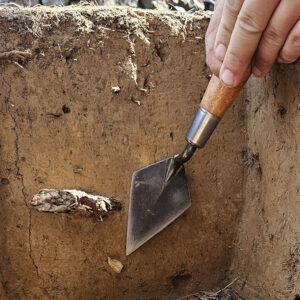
<point>130,249</point>
<point>132,244</point>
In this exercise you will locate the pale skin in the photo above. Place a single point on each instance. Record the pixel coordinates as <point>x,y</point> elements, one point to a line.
<point>252,32</point>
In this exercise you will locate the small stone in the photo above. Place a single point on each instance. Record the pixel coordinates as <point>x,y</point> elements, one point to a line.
<point>77,169</point>
<point>116,265</point>
<point>138,102</point>
<point>115,89</point>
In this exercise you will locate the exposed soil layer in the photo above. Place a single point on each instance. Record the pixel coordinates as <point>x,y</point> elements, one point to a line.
<point>88,95</point>
<point>267,249</point>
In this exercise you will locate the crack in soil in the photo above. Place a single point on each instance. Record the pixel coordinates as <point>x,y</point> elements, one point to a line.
<point>21,179</point>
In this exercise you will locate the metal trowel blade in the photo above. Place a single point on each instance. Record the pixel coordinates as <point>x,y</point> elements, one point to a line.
<point>155,202</point>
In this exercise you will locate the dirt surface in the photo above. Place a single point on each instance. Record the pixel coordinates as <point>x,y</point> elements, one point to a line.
<point>78,55</point>
<point>88,95</point>
<point>267,249</point>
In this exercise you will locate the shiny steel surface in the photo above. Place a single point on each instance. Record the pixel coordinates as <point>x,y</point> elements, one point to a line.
<point>202,127</point>
<point>155,202</point>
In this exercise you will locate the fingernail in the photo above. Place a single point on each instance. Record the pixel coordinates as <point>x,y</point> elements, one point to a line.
<point>220,51</point>
<point>257,72</point>
<point>227,77</point>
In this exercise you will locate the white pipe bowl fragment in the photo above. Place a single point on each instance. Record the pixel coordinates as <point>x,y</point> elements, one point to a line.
<point>64,201</point>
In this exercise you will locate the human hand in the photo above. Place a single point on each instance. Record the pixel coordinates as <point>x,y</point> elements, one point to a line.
<point>244,32</point>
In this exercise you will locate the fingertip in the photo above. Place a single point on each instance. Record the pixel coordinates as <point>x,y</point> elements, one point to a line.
<point>213,63</point>
<point>220,51</point>
<point>228,78</point>
<point>232,78</point>
<point>215,69</point>
<point>257,72</point>
<point>281,60</point>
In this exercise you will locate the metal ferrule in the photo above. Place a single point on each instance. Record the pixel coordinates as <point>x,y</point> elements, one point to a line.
<point>202,127</point>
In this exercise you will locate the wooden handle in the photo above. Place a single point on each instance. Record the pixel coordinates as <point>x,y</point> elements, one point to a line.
<point>218,97</point>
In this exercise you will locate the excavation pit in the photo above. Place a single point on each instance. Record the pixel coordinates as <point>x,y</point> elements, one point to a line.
<point>88,95</point>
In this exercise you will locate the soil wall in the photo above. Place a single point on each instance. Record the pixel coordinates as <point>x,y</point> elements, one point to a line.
<point>63,126</point>
<point>267,249</point>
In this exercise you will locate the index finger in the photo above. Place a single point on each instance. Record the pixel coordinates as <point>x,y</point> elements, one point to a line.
<point>251,22</point>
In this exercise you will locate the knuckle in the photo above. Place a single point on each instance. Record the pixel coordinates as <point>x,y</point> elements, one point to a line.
<point>248,24</point>
<point>232,7</point>
<point>233,59</point>
<point>263,64</point>
<point>272,37</point>
<point>225,30</point>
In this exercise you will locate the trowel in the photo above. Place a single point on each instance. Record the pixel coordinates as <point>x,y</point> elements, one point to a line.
<point>159,193</point>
